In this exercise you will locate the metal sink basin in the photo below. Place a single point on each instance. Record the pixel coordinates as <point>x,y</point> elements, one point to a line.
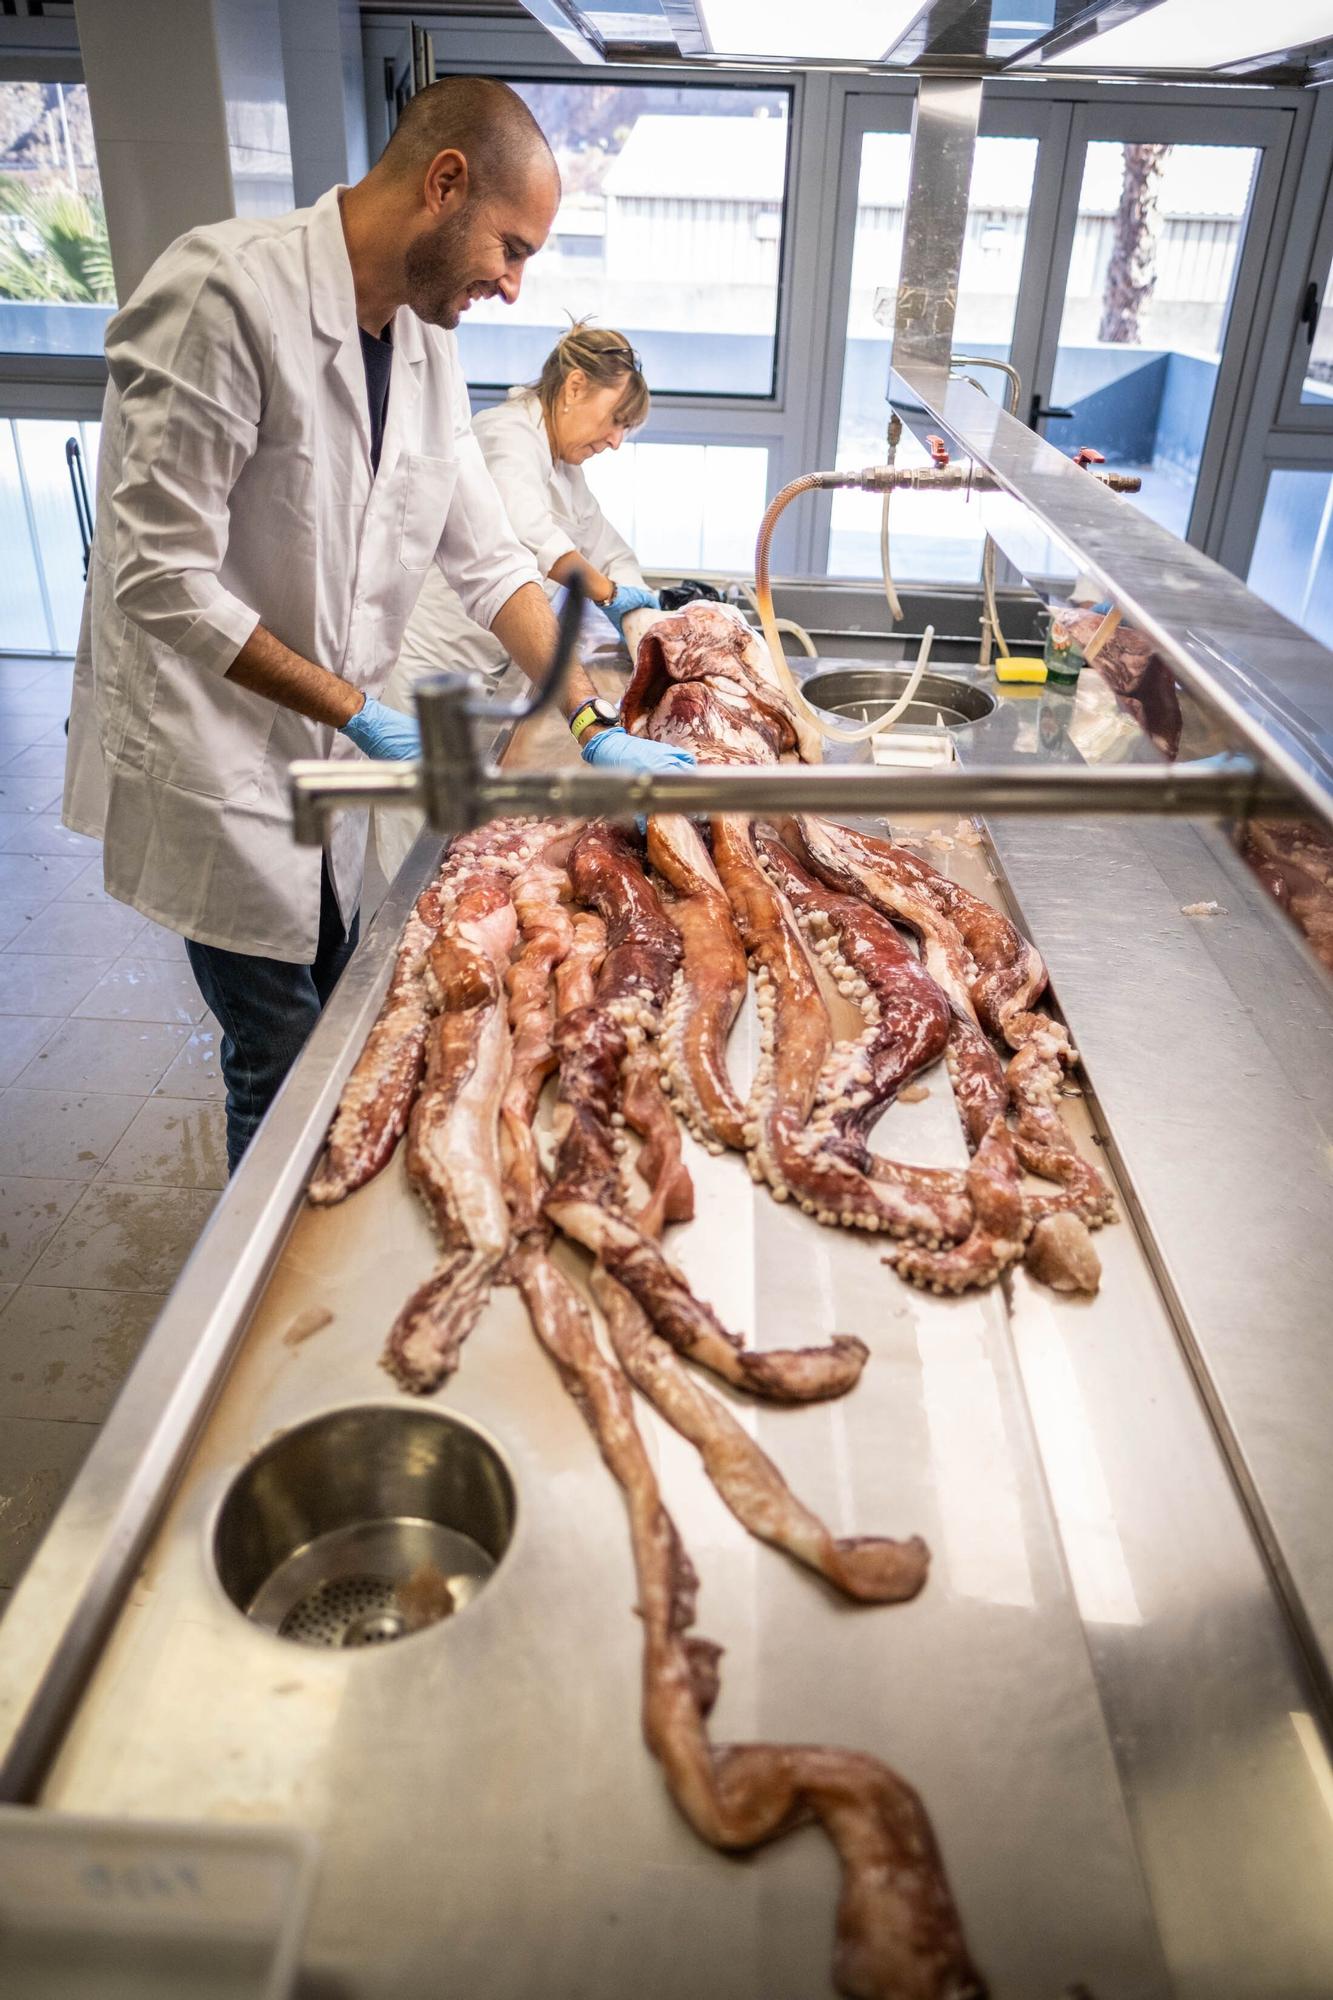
<point>863,694</point>
<point>364,1525</point>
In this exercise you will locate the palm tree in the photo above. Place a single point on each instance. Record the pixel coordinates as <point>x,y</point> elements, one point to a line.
<point>53,246</point>
<point>1131,273</point>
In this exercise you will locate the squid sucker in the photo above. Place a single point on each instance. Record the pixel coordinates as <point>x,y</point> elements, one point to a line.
<point>907,1016</point>
<point>609,973</point>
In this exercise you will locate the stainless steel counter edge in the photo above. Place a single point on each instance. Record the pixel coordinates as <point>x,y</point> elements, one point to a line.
<point>67,1599</point>
<point>1206,1042</point>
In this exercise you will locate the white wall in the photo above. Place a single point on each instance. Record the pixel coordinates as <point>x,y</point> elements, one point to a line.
<point>326,114</point>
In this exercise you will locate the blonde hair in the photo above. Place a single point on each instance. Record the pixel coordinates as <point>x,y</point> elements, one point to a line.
<point>606,358</point>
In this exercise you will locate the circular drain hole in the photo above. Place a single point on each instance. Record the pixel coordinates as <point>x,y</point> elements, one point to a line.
<point>863,694</point>
<point>364,1526</point>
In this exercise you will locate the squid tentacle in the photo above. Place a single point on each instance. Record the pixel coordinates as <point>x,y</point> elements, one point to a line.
<point>453,1157</point>
<point>869,1568</point>
<point>709,987</point>
<point>586,1200</point>
<point>795,1042</point>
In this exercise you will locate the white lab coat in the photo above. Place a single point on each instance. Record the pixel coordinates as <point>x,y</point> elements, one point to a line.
<point>234,488</point>
<point>553,510</point>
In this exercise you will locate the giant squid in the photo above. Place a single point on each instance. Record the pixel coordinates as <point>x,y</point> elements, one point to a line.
<point>617,966</point>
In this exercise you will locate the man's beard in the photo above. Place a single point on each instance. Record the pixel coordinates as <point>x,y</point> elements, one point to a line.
<point>435,268</point>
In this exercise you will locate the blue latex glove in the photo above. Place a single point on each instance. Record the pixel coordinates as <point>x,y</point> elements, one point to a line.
<point>382,731</point>
<point>627,598</point>
<point>633,753</point>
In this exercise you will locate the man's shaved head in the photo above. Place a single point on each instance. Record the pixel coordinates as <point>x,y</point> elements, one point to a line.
<point>485,121</point>
<point>462,196</point>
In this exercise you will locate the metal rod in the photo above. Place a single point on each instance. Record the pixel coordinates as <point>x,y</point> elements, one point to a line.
<point>1232,789</point>
<point>343,783</point>
<point>867,788</point>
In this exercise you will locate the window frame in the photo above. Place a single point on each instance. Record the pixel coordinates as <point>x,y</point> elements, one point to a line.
<point>1270,433</point>
<point>785,422</point>
<point>1022,116</point>
<point>1293,413</point>
<point>705,398</point>
<point>48,385</point>
<point>1295,454</point>
<point>1269,128</point>
<point>799,424</point>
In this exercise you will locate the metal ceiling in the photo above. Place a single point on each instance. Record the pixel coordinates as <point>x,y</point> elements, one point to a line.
<point>975,37</point>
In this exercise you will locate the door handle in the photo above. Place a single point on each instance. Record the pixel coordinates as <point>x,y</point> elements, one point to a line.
<point>1038,413</point>
<point>1309,313</point>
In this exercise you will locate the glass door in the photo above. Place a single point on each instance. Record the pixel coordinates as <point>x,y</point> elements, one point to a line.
<point>937,538</point>
<point>1152,288</point>
<point>1307,402</point>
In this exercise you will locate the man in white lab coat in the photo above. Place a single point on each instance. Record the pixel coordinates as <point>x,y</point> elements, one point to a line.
<point>285,450</point>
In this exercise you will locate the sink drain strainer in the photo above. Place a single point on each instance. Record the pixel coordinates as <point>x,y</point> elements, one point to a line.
<point>351,1611</point>
<point>364,1526</point>
<point>371,1582</point>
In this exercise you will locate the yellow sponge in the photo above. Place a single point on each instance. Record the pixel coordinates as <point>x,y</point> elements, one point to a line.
<point>1016,669</point>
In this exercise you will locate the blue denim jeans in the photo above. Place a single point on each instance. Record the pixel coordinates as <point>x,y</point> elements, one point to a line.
<point>267,1009</point>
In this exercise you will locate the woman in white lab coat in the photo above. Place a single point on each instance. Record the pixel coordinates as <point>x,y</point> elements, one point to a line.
<point>590,395</point>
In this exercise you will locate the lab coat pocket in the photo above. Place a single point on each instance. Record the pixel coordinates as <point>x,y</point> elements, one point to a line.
<point>428,487</point>
<point>204,734</point>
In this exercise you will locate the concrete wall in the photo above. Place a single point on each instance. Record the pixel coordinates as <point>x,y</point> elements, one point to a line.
<point>160,122</point>
<point>208,108</point>
<point>1116,408</point>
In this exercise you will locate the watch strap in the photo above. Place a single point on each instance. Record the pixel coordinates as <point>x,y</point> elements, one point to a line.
<point>586,716</point>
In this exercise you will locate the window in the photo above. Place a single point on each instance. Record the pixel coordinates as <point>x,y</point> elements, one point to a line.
<point>1159,234</point>
<point>934,536</point>
<point>56,286</point>
<point>670,230</point>
<point>685,507</point>
<point>1292,565</point>
<point>41,598</point>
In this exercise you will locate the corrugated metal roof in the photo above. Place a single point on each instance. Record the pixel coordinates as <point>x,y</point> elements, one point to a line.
<point>743,159</point>
<point>1196,180</point>
<point>701,159</point>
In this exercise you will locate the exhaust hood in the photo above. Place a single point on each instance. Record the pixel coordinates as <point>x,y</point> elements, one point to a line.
<point>1282,41</point>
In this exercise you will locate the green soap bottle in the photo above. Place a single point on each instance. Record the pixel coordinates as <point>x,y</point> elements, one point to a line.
<point>1064,655</point>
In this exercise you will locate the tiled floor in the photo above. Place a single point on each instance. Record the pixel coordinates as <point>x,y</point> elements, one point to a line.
<point>111,1133</point>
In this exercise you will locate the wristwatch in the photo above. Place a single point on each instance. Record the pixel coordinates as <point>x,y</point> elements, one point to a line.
<point>590,715</point>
